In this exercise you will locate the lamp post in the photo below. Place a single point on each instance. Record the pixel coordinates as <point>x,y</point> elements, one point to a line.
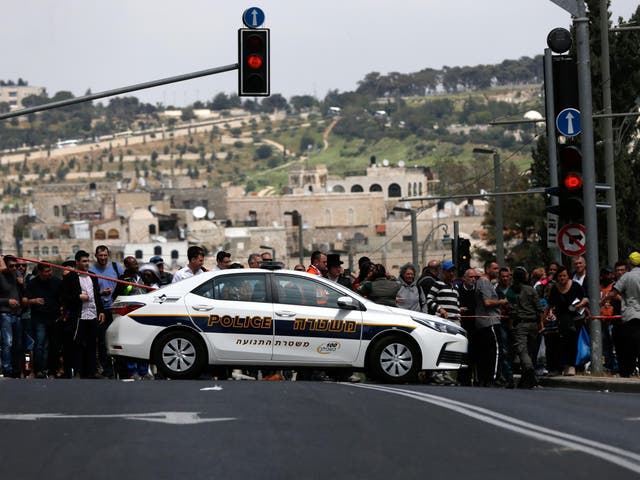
<point>296,216</point>
<point>446,240</point>
<point>497,188</point>
<point>414,232</point>
<point>273,250</point>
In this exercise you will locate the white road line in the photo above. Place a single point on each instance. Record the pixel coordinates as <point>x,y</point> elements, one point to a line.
<point>173,418</point>
<point>615,455</point>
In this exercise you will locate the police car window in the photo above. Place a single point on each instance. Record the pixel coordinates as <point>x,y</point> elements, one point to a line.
<point>244,288</point>
<point>302,291</point>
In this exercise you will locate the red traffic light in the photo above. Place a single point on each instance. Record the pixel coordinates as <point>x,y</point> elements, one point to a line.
<point>254,61</point>
<point>572,181</point>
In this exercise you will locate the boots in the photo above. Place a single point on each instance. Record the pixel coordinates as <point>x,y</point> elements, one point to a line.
<point>528,379</point>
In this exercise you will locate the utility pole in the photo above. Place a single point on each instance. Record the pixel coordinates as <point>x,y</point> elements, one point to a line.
<point>609,163</point>
<point>581,23</point>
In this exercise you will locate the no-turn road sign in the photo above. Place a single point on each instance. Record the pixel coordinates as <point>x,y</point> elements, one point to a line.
<point>572,239</point>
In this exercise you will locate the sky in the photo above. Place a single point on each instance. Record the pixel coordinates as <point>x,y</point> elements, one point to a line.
<point>316,46</point>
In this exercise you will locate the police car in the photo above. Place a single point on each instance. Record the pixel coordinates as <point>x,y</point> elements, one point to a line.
<point>278,318</point>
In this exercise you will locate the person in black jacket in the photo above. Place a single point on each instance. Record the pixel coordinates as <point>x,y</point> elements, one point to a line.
<point>83,304</point>
<point>10,321</point>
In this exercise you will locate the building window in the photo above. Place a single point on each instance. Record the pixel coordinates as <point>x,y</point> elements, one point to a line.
<point>56,211</point>
<point>350,216</point>
<point>375,188</point>
<point>138,254</point>
<point>113,233</point>
<point>36,251</point>
<point>357,189</point>
<point>327,217</point>
<point>45,251</point>
<point>157,250</point>
<point>395,190</point>
<point>152,229</point>
<point>75,248</point>
<point>55,251</point>
<point>415,189</point>
<point>174,254</point>
<point>100,235</point>
<point>338,189</point>
<point>420,188</point>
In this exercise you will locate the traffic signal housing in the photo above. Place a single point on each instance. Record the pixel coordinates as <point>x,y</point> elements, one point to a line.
<point>463,256</point>
<point>570,206</point>
<point>253,62</point>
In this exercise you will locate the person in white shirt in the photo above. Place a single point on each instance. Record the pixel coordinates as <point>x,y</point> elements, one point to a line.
<point>195,255</point>
<point>579,270</point>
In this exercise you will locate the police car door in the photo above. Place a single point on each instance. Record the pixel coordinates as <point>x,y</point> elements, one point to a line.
<point>234,315</point>
<point>309,325</point>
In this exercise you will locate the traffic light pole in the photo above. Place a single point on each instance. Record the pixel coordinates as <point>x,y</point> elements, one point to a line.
<point>581,23</point>
<point>551,135</point>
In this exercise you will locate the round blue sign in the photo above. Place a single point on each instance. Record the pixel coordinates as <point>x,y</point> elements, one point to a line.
<point>253,17</point>
<point>568,122</point>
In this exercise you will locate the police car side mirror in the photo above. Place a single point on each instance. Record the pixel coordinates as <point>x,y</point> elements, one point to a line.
<point>348,303</point>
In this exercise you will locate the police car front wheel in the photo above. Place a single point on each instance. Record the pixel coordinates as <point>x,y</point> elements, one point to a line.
<point>180,354</point>
<point>395,359</point>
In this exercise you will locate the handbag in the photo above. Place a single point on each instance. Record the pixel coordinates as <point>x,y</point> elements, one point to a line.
<point>584,347</point>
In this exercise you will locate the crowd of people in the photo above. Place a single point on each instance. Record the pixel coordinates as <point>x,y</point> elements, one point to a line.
<point>54,326</point>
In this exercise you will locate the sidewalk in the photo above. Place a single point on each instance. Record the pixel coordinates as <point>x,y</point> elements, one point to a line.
<point>589,382</point>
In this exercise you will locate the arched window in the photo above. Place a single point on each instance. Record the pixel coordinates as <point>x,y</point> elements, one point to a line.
<point>152,229</point>
<point>375,188</point>
<point>100,234</point>
<point>415,189</point>
<point>56,211</point>
<point>409,188</point>
<point>338,189</point>
<point>420,188</point>
<point>357,189</point>
<point>395,190</point>
<point>113,233</point>
<point>157,250</point>
<point>138,254</point>
<point>174,254</point>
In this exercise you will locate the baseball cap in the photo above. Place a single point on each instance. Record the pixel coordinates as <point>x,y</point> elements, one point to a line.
<point>156,259</point>
<point>447,265</point>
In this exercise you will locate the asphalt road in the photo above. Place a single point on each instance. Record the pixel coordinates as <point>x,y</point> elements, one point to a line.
<point>262,430</point>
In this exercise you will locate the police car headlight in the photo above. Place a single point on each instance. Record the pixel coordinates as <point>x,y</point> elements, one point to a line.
<point>441,327</point>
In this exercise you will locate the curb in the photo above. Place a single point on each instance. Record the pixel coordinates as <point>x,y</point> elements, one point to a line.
<point>604,384</point>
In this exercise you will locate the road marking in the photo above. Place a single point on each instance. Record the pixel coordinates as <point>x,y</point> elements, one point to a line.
<point>615,455</point>
<point>172,418</point>
<point>215,388</point>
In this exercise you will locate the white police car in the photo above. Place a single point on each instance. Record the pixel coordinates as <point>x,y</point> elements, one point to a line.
<point>278,318</point>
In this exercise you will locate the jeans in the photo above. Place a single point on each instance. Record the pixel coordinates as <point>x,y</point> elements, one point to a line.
<point>41,328</point>
<point>11,328</point>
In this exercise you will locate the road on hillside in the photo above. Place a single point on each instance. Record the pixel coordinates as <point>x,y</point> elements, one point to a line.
<point>61,429</point>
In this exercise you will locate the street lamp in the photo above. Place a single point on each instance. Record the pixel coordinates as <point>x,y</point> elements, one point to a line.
<point>296,216</point>
<point>273,251</point>
<point>497,188</point>
<point>414,232</point>
<point>446,239</point>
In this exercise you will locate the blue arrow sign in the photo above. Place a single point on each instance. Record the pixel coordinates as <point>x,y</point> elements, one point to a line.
<point>568,122</point>
<point>253,17</point>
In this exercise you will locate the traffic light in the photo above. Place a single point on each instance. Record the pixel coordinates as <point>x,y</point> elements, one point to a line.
<point>253,61</point>
<point>570,206</point>
<point>565,83</point>
<point>463,256</point>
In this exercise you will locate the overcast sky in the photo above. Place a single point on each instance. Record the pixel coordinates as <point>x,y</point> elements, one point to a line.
<point>315,45</point>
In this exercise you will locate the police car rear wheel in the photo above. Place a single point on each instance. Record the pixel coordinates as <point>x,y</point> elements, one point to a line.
<point>395,360</point>
<point>180,355</point>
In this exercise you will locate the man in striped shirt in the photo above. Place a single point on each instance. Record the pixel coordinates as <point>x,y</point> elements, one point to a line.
<point>443,297</point>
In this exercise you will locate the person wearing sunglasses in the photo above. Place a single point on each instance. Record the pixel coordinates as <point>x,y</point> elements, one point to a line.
<point>11,293</point>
